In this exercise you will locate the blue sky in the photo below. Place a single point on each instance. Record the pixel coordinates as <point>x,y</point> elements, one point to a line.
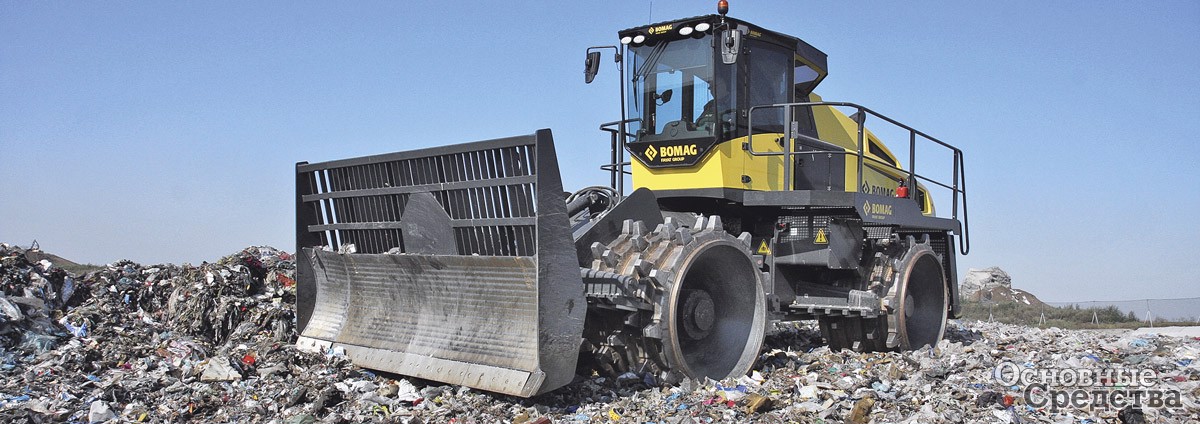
<point>168,131</point>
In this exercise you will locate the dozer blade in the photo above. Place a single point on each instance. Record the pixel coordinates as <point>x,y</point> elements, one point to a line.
<point>463,269</point>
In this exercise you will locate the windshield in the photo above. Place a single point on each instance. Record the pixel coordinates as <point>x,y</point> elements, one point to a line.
<point>672,89</point>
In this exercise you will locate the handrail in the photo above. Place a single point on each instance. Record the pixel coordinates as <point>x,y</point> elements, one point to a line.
<point>958,186</point>
<point>964,242</point>
<point>616,169</point>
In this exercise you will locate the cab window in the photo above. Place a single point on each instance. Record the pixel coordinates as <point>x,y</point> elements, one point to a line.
<point>875,149</point>
<point>770,82</point>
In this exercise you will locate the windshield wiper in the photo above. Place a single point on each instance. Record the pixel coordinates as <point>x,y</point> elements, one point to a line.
<point>647,67</point>
<point>651,60</point>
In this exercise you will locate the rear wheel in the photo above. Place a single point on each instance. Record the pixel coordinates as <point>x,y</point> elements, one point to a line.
<point>916,303</point>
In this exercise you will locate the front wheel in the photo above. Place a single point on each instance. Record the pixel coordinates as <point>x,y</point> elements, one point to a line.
<point>715,309</point>
<point>702,306</point>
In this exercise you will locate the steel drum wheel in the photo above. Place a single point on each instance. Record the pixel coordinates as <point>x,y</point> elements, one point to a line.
<point>716,310</point>
<point>919,300</point>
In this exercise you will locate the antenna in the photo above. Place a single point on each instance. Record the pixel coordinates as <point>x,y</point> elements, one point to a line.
<point>650,19</point>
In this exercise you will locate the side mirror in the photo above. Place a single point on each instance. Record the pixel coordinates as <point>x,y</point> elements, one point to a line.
<point>731,44</point>
<point>591,66</point>
<point>664,97</point>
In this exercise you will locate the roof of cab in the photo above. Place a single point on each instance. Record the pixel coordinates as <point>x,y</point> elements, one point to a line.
<point>669,30</point>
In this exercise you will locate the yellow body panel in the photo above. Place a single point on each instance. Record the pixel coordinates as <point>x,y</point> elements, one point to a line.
<point>723,167</point>
<point>727,163</point>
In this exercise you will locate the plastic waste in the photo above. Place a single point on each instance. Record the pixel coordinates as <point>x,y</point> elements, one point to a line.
<point>99,412</point>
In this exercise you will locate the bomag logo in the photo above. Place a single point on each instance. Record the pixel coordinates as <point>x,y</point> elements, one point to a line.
<point>668,154</point>
<point>661,29</point>
<point>650,153</point>
<point>880,190</point>
<point>877,209</point>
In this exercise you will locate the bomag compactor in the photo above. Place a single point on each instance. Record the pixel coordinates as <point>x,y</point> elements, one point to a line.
<point>753,202</point>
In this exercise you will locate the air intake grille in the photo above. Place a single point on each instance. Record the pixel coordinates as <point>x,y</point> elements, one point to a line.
<point>803,227</point>
<point>878,232</point>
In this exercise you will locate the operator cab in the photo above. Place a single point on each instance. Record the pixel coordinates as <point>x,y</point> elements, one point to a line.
<point>691,83</point>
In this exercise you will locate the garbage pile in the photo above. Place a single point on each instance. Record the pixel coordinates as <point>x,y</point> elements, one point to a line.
<point>214,343</point>
<point>145,343</point>
<point>964,379</point>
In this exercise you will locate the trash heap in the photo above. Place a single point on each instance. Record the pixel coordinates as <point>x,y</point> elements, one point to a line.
<point>797,379</point>
<point>145,343</point>
<point>214,343</point>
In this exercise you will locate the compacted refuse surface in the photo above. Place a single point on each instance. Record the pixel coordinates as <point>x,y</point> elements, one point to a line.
<point>214,343</point>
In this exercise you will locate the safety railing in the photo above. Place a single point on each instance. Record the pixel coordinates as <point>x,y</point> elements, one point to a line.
<point>791,132</point>
<point>616,168</point>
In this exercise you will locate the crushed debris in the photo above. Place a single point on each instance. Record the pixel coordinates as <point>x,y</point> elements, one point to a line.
<point>214,343</point>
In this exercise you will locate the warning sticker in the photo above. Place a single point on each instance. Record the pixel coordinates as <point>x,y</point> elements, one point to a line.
<point>821,237</point>
<point>763,249</point>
